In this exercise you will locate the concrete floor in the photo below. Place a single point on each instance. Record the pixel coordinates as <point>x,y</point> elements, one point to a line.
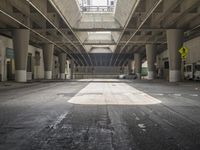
<point>101,115</point>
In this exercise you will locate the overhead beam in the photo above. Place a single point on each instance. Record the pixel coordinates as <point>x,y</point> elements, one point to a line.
<point>111,43</point>
<point>27,27</point>
<point>186,8</point>
<point>67,23</point>
<point>141,24</point>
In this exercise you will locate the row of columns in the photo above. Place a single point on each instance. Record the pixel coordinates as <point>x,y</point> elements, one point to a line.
<point>174,43</point>
<point>138,65</point>
<point>20,44</point>
<point>62,60</point>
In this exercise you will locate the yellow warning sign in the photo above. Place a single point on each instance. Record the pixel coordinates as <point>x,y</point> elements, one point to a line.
<point>184,52</point>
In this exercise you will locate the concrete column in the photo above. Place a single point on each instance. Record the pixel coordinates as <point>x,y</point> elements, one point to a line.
<point>68,70</point>
<point>20,44</point>
<point>130,66</point>
<point>48,60</point>
<point>72,69</point>
<point>62,60</point>
<point>151,59</point>
<point>137,65</point>
<point>174,42</point>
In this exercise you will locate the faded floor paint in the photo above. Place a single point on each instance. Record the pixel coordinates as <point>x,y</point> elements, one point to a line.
<point>103,93</point>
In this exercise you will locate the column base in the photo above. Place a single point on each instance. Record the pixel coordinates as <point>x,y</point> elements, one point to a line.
<point>174,75</point>
<point>29,76</point>
<point>151,75</point>
<point>138,76</point>
<point>20,76</point>
<point>62,76</point>
<point>48,75</point>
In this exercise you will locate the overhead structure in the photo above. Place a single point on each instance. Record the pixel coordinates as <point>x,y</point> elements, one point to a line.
<point>81,28</point>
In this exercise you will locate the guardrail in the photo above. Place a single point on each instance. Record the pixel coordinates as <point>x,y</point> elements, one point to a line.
<point>97,8</point>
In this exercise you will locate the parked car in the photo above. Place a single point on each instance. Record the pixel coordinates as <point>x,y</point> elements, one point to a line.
<point>189,71</point>
<point>131,76</point>
<point>122,76</point>
<point>128,76</point>
<point>197,71</point>
<point>192,71</point>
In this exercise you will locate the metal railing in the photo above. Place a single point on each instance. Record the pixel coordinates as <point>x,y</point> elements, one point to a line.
<point>97,8</point>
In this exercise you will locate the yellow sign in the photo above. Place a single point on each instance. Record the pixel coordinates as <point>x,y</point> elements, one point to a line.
<point>184,51</point>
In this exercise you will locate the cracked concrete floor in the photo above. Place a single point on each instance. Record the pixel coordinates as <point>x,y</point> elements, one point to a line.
<point>101,115</point>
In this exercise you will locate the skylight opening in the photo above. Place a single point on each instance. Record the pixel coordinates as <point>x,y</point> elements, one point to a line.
<point>100,32</point>
<point>97,5</point>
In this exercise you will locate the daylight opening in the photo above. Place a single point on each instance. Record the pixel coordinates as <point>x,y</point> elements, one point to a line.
<point>97,5</point>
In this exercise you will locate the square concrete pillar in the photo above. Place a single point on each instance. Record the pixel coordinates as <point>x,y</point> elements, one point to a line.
<point>174,42</point>
<point>20,44</point>
<point>151,60</point>
<point>48,51</point>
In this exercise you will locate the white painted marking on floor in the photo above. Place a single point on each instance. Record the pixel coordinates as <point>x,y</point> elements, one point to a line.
<point>136,117</point>
<point>177,94</point>
<point>171,124</point>
<point>120,94</point>
<point>142,126</point>
<point>195,95</point>
<point>58,121</point>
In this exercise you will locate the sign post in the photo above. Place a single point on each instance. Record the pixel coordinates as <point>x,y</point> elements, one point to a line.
<point>184,52</point>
